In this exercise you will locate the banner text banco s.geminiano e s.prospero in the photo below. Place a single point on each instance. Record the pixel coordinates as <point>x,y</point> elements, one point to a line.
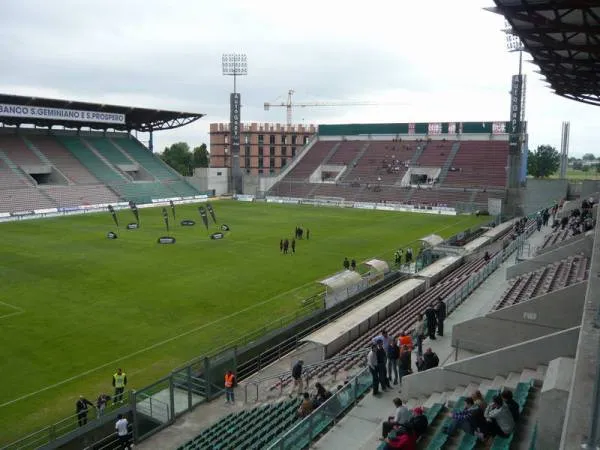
<point>76,115</point>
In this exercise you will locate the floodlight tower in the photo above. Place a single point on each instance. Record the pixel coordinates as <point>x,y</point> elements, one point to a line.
<point>235,64</point>
<point>517,142</point>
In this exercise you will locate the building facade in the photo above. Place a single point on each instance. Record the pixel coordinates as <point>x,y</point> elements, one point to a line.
<point>265,148</point>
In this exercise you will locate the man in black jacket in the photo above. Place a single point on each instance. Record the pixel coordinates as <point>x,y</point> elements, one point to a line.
<point>430,359</point>
<point>440,312</point>
<point>297,376</point>
<point>82,410</point>
<point>381,355</point>
<point>431,322</point>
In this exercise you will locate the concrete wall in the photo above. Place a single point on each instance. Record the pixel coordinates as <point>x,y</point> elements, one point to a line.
<point>589,187</point>
<point>527,320</point>
<point>543,260</point>
<point>513,358</point>
<point>543,193</point>
<point>553,402</point>
<point>211,178</point>
<point>577,422</point>
<point>251,184</point>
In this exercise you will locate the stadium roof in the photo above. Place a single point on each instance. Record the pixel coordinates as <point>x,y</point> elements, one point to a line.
<point>563,37</point>
<point>46,112</point>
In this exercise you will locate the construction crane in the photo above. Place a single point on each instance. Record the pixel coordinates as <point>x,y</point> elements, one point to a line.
<point>289,105</point>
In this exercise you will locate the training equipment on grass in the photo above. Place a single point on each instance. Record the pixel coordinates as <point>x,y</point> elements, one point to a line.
<point>187,223</point>
<point>218,235</point>
<point>111,235</point>
<point>166,240</point>
<point>212,212</point>
<point>134,210</point>
<point>166,217</point>
<point>202,212</point>
<point>132,226</point>
<point>113,213</point>
<point>225,227</point>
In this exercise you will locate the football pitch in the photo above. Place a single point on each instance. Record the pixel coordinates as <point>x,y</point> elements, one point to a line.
<point>75,305</point>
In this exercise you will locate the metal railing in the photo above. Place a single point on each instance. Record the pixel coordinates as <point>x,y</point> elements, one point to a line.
<point>307,369</point>
<point>307,430</point>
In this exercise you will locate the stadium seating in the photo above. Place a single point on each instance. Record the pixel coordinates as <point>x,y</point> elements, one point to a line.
<point>547,279</point>
<point>15,148</point>
<point>143,192</point>
<point>439,197</point>
<point>9,178</point>
<point>74,195</point>
<point>311,160</point>
<point>181,188</point>
<point>479,164</point>
<point>90,160</point>
<point>145,158</point>
<point>62,159</point>
<point>24,199</point>
<point>435,154</point>
<point>346,152</point>
<point>248,429</point>
<point>108,150</point>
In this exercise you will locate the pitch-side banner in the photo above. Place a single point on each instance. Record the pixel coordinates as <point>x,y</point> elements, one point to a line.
<point>76,115</point>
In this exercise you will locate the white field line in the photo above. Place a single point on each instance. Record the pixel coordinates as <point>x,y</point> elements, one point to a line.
<point>16,308</point>
<point>166,341</point>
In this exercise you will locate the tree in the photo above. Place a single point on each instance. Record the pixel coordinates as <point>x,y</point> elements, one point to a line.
<point>578,165</point>
<point>597,167</point>
<point>588,157</point>
<point>179,157</point>
<point>543,162</point>
<point>200,158</point>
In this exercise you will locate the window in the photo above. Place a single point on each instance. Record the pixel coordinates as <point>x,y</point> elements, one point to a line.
<point>271,162</point>
<point>248,171</point>
<point>260,171</point>
<point>227,139</point>
<point>284,139</point>
<point>305,139</point>
<point>261,138</point>
<point>246,139</point>
<point>260,162</point>
<point>271,171</point>
<point>283,151</point>
<point>247,161</point>
<point>283,162</point>
<point>247,150</point>
<point>260,151</point>
<point>219,174</point>
<point>294,139</point>
<point>293,151</point>
<point>272,139</point>
<point>272,151</point>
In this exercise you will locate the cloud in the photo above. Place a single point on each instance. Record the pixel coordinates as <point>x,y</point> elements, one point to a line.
<point>437,60</point>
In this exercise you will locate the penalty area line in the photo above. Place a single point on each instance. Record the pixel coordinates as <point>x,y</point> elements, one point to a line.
<point>16,309</point>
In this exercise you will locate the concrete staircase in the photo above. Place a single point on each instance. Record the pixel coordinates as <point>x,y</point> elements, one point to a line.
<point>101,157</point>
<point>16,170</point>
<point>355,160</point>
<point>417,154</point>
<point>35,150</point>
<point>331,153</point>
<point>525,386</point>
<point>449,161</point>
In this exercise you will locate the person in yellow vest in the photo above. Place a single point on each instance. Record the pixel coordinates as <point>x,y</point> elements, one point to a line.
<point>229,385</point>
<point>119,382</point>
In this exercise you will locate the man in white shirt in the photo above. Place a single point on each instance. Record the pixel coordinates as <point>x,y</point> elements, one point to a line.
<point>122,431</point>
<point>401,416</point>
<point>372,363</point>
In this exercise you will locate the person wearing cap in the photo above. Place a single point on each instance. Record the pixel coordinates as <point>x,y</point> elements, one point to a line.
<point>82,410</point>
<point>297,377</point>
<point>418,422</point>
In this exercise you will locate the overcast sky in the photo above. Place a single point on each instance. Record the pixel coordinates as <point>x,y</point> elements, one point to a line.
<point>437,60</point>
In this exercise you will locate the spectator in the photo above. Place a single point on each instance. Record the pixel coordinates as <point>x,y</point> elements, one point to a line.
<point>430,360</point>
<point>465,419</point>
<point>82,410</point>
<point>419,334</point>
<point>297,376</point>
<point>431,322</point>
<point>406,340</point>
<point>381,355</point>
<point>440,313</point>
<point>353,264</point>
<point>513,406</point>
<point>500,420</point>
<point>122,431</point>
<point>119,382</point>
<point>322,395</point>
<point>306,407</point>
<point>346,263</point>
<point>401,437</point>
<point>479,400</point>
<point>229,385</point>
<point>372,364</point>
<point>101,403</point>
<point>385,337</point>
<point>404,362</point>
<point>393,354</point>
<point>401,417</point>
<point>418,422</point>
<point>486,256</point>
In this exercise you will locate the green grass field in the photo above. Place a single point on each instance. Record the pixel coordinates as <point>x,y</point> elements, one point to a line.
<point>75,305</point>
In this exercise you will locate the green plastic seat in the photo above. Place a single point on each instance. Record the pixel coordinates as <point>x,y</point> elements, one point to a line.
<point>467,442</point>
<point>502,443</point>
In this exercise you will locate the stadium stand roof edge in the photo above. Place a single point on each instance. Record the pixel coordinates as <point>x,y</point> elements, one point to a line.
<point>564,40</point>
<point>138,119</point>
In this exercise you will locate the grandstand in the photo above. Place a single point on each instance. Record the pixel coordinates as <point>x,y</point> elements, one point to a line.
<point>430,165</point>
<point>59,168</point>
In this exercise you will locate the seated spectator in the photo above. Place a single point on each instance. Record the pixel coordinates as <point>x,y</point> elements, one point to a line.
<point>465,419</point>
<point>479,400</point>
<point>486,257</point>
<point>401,437</point>
<point>430,359</point>
<point>306,407</point>
<point>513,406</point>
<point>499,419</point>
<point>321,396</point>
<point>418,422</point>
<point>401,416</point>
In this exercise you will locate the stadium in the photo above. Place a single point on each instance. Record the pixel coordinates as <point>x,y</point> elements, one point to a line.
<point>112,259</point>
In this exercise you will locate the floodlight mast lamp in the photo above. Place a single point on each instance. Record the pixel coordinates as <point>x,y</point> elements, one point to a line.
<point>514,44</point>
<point>235,64</point>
